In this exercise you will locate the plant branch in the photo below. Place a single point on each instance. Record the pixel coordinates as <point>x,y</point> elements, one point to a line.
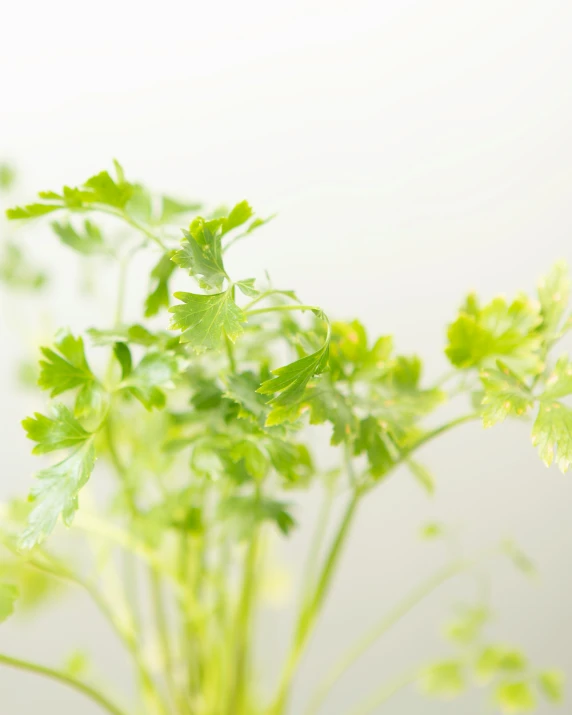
<point>87,690</point>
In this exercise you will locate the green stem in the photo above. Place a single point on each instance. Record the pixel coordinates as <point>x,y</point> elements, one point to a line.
<point>230,352</point>
<point>244,626</point>
<point>364,643</point>
<point>162,628</point>
<point>280,308</point>
<point>310,611</point>
<point>267,294</point>
<point>87,690</point>
<point>383,694</point>
<point>311,566</point>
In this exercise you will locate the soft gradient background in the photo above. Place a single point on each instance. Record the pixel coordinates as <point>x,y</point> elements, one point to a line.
<point>414,150</point>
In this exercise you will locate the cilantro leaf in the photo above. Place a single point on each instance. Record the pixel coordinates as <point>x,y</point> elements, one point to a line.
<point>481,336</point>
<point>246,287</point>
<point>505,394</point>
<point>374,441</point>
<point>57,432</point>
<point>88,242</point>
<point>56,493</point>
<point>206,319</point>
<point>496,659</point>
<point>327,403</point>
<point>289,384</point>
<point>159,296</point>
<point>65,369</point>
<point>241,389</point>
<point>8,596</point>
<point>201,253</point>
<point>155,371</point>
<point>30,211</point>
<point>553,425</point>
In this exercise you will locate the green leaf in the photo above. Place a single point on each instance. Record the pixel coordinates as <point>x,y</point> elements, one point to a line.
<point>107,191</point>
<point>247,287</point>
<point>554,293</point>
<point>505,394</point>
<point>515,697</point>
<point>326,403</point>
<point>443,680</point>
<point>56,494</point>
<point>373,440</point>
<point>496,659</point>
<point>58,432</point>
<point>289,385</point>
<point>422,475</point>
<point>8,596</point>
<point>159,294</point>
<point>467,627</point>
<point>551,684</point>
<point>481,336</point>
<point>30,211</point>
<point>206,319</point>
<point>241,389</point>
<point>66,367</point>
<point>123,356</point>
<point>201,254</point>
<point>173,208</point>
<point>552,434</point>
<point>88,242</point>
<point>237,217</point>
<point>155,372</point>
<point>246,513</point>
<point>255,461</point>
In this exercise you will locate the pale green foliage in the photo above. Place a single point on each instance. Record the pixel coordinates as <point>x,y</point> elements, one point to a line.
<point>199,430</point>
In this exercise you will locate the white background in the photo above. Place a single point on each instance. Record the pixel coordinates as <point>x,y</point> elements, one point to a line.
<point>413,150</point>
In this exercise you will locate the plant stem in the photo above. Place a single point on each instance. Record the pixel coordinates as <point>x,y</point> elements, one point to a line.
<point>311,609</point>
<point>281,308</point>
<point>311,566</point>
<point>162,628</point>
<point>87,690</point>
<point>243,626</point>
<point>393,617</point>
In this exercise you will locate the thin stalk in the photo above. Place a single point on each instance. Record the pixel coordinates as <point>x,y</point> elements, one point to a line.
<point>162,629</point>
<point>267,294</point>
<point>310,611</point>
<point>311,566</point>
<point>309,614</point>
<point>280,308</point>
<point>387,622</point>
<point>89,691</point>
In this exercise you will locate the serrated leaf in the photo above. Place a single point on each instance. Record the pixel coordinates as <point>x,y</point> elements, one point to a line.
<point>327,403</point>
<point>497,331</point>
<point>8,596</point>
<point>56,492</point>
<point>65,369</point>
<point>289,383</point>
<point>205,319</point>
<point>241,389</point>
<point>155,372</point>
<point>30,211</point>
<point>159,293</point>
<point>201,254</point>
<point>58,432</point>
<point>247,287</point>
<point>505,394</point>
<point>87,242</point>
<point>515,697</point>
<point>551,684</point>
<point>552,434</point>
